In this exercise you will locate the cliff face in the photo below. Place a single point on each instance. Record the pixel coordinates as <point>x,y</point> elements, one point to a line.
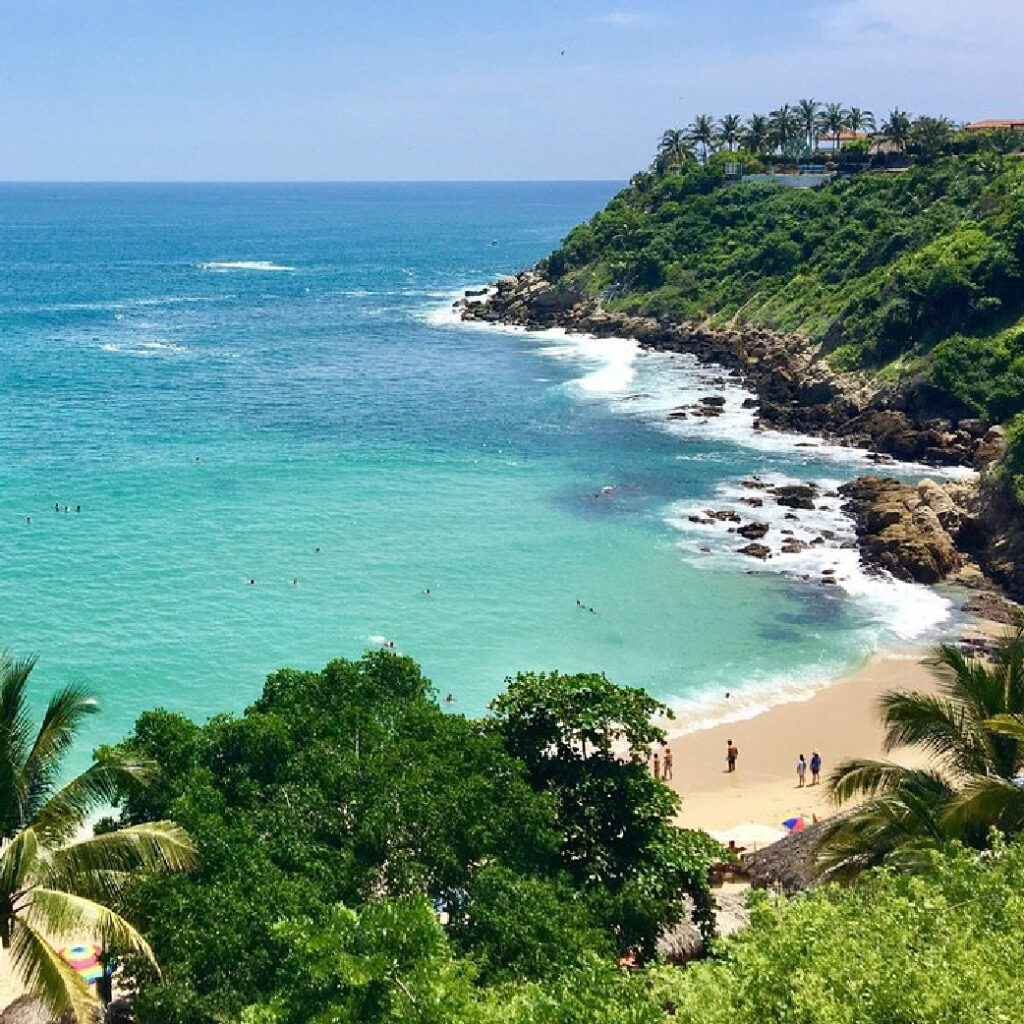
<point>797,389</point>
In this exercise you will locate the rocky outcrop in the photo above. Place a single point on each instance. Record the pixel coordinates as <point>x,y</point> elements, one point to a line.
<point>1000,536</point>
<point>797,389</point>
<point>910,532</point>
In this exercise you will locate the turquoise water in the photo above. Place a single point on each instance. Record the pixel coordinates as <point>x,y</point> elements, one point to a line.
<point>260,383</point>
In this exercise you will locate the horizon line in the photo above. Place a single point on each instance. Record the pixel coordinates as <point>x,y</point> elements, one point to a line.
<point>308,181</point>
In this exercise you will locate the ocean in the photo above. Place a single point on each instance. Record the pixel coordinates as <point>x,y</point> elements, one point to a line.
<point>241,429</point>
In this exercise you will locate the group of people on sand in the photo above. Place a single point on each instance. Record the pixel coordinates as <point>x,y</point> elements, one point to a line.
<point>661,764</point>
<point>732,753</point>
<point>802,766</point>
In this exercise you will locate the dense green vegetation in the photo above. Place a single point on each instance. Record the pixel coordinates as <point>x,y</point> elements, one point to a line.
<point>916,271</point>
<point>345,810</point>
<point>367,857</point>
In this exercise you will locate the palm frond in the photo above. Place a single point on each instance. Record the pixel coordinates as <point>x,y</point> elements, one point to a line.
<point>82,866</point>
<point>17,861</point>
<point>1007,725</point>
<point>939,725</point>
<point>15,730</point>
<point>986,800</point>
<point>48,976</point>
<point>862,777</point>
<point>67,916</point>
<point>62,814</point>
<point>56,734</point>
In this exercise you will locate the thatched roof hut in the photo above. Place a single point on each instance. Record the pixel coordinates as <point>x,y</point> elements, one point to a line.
<point>28,1010</point>
<point>787,865</point>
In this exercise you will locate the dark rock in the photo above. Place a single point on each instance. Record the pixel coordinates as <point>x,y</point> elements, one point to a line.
<point>756,551</point>
<point>753,531</point>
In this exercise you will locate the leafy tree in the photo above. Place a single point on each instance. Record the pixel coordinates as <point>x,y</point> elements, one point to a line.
<point>930,137</point>
<point>585,740</point>
<point>55,884</point>
<point>968,790</point>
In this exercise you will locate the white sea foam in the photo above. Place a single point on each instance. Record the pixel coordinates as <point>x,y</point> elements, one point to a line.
<point>650,385</point>
<point>222,265</point>
<point>145,349</point>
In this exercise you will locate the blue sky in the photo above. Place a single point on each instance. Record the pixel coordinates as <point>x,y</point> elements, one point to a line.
<point>347,89</point>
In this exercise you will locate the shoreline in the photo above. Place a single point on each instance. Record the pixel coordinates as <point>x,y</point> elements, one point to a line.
<point>839,720</point>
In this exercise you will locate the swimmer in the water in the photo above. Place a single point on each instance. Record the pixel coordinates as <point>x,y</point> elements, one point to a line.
<point>427,591</point>
<point>28,519</point>
<point>449,699</point>
<point>295,582</point>
<point>251,582</point>
<point>78,508</point>
<point>591,610</point>
<point>56,506</point>
<point>317,550</point>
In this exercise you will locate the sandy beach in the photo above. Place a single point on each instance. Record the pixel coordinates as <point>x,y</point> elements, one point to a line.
<point>840,721</point>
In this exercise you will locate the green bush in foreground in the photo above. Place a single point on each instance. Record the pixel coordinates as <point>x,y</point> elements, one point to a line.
<point>943,947</point>
<point>347,798</point>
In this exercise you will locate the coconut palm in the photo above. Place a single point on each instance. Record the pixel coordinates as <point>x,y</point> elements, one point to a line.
<point>757,134</point>
<point>729,130</point>
<point>807,115</point>
<point>860,120</point>
<point>702,133</point>
<point>674,149</point>
<point>973,731</point>
<point>785,129</point>
<point>833,121</point>
<point>896,129</point>
<point>55,883</point>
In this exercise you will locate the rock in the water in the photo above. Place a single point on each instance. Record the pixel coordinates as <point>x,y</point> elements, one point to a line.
<point>756,551</point>
<point>753,531</point>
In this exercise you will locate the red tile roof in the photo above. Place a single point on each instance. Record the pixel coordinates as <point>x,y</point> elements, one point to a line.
<point>1016,123</point>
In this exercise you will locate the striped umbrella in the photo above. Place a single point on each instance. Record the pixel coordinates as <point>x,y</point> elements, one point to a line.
<point>85,959</point>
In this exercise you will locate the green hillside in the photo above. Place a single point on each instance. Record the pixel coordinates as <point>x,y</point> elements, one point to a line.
<point>917,271</point>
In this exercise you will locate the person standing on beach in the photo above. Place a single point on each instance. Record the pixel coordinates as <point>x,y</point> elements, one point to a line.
<point>815,768</point>
<point>801,771</point>
<point>657,766</point>
<point>666,764</point>
<point>731,753</point>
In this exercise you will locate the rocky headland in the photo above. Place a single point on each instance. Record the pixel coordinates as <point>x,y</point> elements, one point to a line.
<point>925,533</point>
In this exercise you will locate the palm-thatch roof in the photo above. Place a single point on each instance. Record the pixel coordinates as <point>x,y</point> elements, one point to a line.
<point>27,1010</point>
<point>788,864</point>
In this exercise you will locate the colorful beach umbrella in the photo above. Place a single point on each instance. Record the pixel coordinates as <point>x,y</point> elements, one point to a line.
<point>85,959</point>
<point>797,824</point>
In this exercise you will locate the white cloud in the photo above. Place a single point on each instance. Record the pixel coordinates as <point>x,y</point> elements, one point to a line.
<point>625,18</point>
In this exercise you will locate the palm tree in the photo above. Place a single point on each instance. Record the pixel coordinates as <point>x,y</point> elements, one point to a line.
<point>674,148</point>
<point>896,129</point>
<point>834,120</point>
<point>807,114</point>
<point>729,129</point>
<point>860,120</point>
<point>973,731</point>
<point>702,133</point>
<point>55,883</point>
<point>785,128</point>
<point>757,134</point>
